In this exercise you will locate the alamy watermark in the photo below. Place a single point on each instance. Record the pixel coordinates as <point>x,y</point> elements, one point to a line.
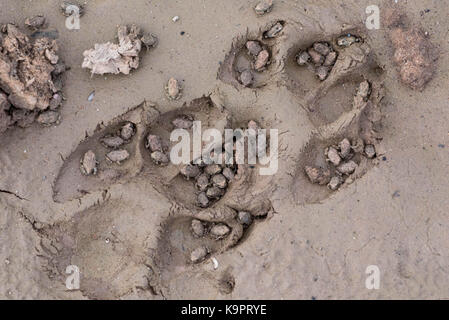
<point>72,281</point>
<point>373,279</point>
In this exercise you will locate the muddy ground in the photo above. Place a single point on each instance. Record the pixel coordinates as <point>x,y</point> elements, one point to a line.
<point>130,232</point>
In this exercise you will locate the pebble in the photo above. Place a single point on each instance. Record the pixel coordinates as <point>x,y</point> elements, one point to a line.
<point>35,22</point>
<point>199,254</point>
<point>190,171</point>
<point>332,156</point>
<point>263,7</point>
<point>318,175</point>
<point>347,167</point>
<point>245,218</point>
<point>322,72</point>
<point>112,141</point>
<point>219,181</point>
<point>262,60</point>
<point>317,58</point>
<point>220,230</point>
<point>330,59</point>
<point>173,89</point>
<point>202,182</point>
<point>321,48</point>
<point>212,169</point>
<point>55,101</point>
<point>345,148</point>
<point>302,58</point>
<point>89,163</point>
<point>346,41</point>
<point>253,47</point>
<point>154,143</point>
<point>159,157</point>
<point>118,156</point>
<point>246,78</point>
<point>197,228</point>
<point>370,151</point>
<point>214,192</point>
<point>203,200</point>
<point>128,130</point>
<point>334,183</point>
<point>274,31</point>
<point>228,173</point>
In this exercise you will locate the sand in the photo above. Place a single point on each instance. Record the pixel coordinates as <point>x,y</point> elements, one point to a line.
<point>129,231</point>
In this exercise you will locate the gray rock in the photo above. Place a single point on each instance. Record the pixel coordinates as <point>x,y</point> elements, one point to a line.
<point>48,118</point>
<point>347,167</point>
<point>118,156</point>
<point>261,60</point>
<point>203,200</point>
<point>370,151</point>
<point>154,143</point>
<point>274,31</point>
<point>89,163</point>
<point>345,148</point>
<point>159,157</point>
<point>220,231</point>
<point>212,169</point>
<point>245,218</point>
<point>214,192</point>
<point>332,156</point>
<point>334,183</point>
<point>321,48</point>
<point>247,78</point>
<point>197,228</point>
<point>263,7</point>
<point>253,47</point>
<point>318,175</point>
<point>202,182</point>
<point>317,58</point>
<point>112,141</point>
<point>55,101</point>
<point>128,130</point>
<point>219,181</point>
<point>190,171</point>
<point>302,58</point>
<point>228,173</point>
<point>199,254</point>
<point>330,59</point>
<point>322,72</point>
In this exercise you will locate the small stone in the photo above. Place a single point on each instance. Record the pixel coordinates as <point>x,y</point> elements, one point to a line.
<point>274,31</point>
<point>59,68</point>
<point>334,183</point>
<point>55,101</point>
<point>262,60</point>
<point>202,182</point>
<point>317,58</point>
<point>51,56</point>
<point>347,167</point>
<point>318,175</point>
<point>197,228</point>
<point>228,173</point>
<point>154,143</point>
<point>112,141</point>
<point>345,148</point>
<point>173,89</point>
<point>364,89</point>
<point>322,72</point>
<point>212,169</point>
<point>263,7</point>
<point>48,118</point>
<point>199,254</point>
<point>247,78</point>
<point>245,218</point>
<point>175,18</point>
<point>253,47</point>
<point>370,151</point>
<point>118,156</point>
<point>183,122</point>
<point>190,171</point>
<point>330,59</point>
<point>128,130</point>
<point>35,22</point>
<point>302,58</point>
<point>332,156</point>
<point>214,192</point>
<point>321,48</point>
<point>149,40</point>
<point>203,200</point>
<point>358,145</point>
<point>159,157</point>
<point>89,163</point>
<point>346,41</point>
<point>220,230</point>
<point>219,181</point>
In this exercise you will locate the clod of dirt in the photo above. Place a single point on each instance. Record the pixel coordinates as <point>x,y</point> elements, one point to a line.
<point>347,40</point>
<point>202,182</point>
<point>263,7</point>
<point>89,163</point>
<point>55,101</point>
<point>183,122</point>
<point>118,156</point>
<point>345,148</point>
<point>212,169</point>
<point>68,7</point>
<point>173,89</point>
<point>247,78</point>
<point>190,171</point>
<point>197,228</point>
<point>226,283</point>
<point>220,231</point>
<point>115,58</point>
<point>253,47</point>
<point>318,175</point>
<point>27,76</point>
<point>274,30</point>
<point>203,200</point>
<point>302,58</point>
<point>154,143</point>
<point>35,22</point>
<point>219,181</point>
<point>48,118</point>
<point>128,131</point>
<point>228,173</point>
<point>335,183</point>
<point>245,218</point>
<point>347,167</point>
<point>370,151</point>
<point>112,142</point>
<point>199,254</point>
<point>332,156</point>
<point>261,60</point>
<point>214,193</point>
<point>159,157</point>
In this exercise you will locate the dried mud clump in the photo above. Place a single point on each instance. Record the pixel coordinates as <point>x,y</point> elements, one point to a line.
<point>414,54</point>
<point>320,58</point>
<point>118,58</point>
<point>30,79</point>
